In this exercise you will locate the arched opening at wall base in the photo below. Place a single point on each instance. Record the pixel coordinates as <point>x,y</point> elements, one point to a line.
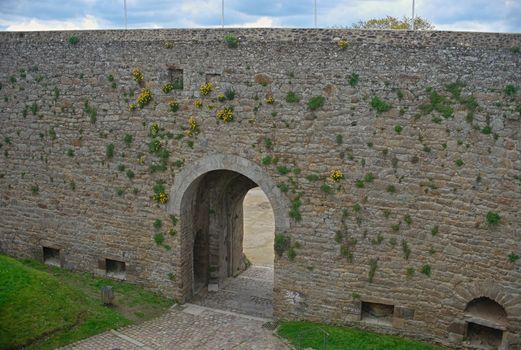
<point>210,205</point>
<point>486,324</point>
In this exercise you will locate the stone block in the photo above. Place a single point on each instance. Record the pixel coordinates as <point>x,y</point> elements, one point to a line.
<point>458,327</point>
<point>403,313</point>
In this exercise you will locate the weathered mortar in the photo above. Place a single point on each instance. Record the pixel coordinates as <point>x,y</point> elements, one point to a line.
<point>468,258</point>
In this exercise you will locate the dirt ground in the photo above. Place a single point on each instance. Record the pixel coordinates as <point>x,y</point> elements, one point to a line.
<point>259,228</point>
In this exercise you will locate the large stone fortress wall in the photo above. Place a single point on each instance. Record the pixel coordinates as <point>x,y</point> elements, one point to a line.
<point>401,244</point>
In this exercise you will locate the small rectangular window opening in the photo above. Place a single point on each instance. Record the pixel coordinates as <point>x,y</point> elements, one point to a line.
<point>175,77</point>
<point>115,268</point>
<point>51,256</point>
<point>377,313</point>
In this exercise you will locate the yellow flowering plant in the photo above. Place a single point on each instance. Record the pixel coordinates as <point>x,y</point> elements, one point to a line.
<point>137,75</point>
<point>132,107</point>
<point>167,88</point>
<point>225,114</point>
<point>193,127</point>
<point>154,129</point>
<point>206,88</point>
<point>336,175</point>
<point>144,98</point>
<point>198,103</point>
<point>221,98</point>
<point>161,197</point>
<point>270,100</point>
<point>174,106</point>
<point>342,44</point>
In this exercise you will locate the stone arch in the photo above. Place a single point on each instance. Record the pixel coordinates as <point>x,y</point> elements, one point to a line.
<point>239,165</point>
<point>472,322</point>
<point>216,184</point>
<point>464,294</point>
<point>486,308</point>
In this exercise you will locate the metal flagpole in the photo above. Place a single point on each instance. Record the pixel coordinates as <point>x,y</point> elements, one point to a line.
<point>412,14</point>
<point>222,13</point>
<point>315,13</point>
<point>125,9</point>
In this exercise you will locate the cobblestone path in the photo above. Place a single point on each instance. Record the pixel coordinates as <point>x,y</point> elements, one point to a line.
<point>250,293</point>
<point>231,318</point>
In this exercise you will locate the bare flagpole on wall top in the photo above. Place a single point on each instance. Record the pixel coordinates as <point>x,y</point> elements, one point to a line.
<point>412,14</point>
<point>125,10</point>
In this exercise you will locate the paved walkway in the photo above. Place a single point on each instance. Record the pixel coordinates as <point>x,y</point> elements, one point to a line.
<point>219,322</point>
<point>249,293</point>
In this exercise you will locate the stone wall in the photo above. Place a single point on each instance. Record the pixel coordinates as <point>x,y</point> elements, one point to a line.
<point>406,226</point>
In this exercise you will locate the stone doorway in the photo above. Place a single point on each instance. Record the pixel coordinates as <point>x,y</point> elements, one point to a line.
<point>210,196</point>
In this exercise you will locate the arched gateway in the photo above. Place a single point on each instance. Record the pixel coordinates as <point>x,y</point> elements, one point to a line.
<point>208,196</point>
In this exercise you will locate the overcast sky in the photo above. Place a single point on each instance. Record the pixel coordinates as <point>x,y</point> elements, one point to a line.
<point>465,15</point>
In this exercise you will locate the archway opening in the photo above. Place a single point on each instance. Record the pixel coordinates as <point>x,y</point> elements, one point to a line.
<point>213,227</point>
<point>207,197</point>
<point>486,322</point>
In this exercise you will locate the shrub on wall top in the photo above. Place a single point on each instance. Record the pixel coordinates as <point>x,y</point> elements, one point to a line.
<point>231,40</point>
<point>73,40</point>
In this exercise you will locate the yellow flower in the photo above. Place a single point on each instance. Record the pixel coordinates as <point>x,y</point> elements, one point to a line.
<point>342,43</point>
<point>206,88</point>
<point>198,103</point>
<point>144,98</point>
<point>132,107</point>
<point>225,114</point>
<point>336,175</point>
<point>270,100</point>
<point>163,198</point>
<point>137,74</point>
<point>167,88</point>
<point>193,127</point>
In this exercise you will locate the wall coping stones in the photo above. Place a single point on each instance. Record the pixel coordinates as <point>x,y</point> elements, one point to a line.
<point>286,36</point>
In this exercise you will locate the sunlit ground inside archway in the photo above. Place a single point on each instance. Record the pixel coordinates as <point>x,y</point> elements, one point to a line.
<point>259,228</point>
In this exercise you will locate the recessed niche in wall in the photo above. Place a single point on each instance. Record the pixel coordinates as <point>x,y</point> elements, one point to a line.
<point>486,321</point>
<point>51,256</point>
<point>377,313</point>
<point>115,268</point>
<point>213,78</point>
<point>483,337</point>
<point>175,76</point>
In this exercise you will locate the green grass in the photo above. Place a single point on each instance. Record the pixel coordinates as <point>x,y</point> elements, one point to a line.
<point>346,338</point>
<point>46,307</point>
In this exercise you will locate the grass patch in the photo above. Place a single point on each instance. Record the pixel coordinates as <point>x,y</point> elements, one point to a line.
<point>339,337</point>
<point>46,307</point>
